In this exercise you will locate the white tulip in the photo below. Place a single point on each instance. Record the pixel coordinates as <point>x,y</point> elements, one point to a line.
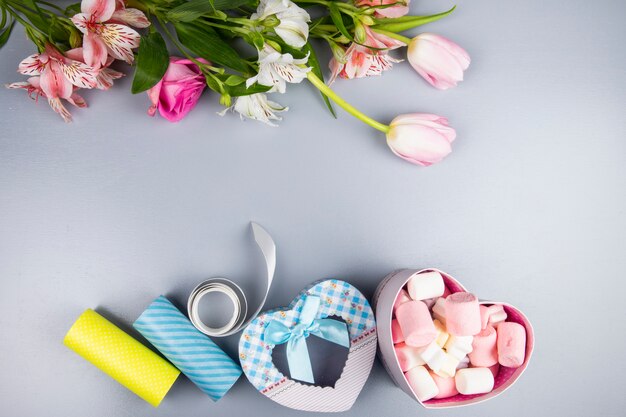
<point>257,107</point>
<point>293,27</point>
<point>276,70</point>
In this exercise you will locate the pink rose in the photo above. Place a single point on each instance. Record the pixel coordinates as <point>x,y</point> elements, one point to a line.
<point>399,8</point>
<point>179,89</point>
<point>420,138</point>
<point>439,60</point>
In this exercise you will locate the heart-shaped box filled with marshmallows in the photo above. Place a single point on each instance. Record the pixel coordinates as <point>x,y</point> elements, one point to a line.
<point>444,347</point>
<point>332,310</point>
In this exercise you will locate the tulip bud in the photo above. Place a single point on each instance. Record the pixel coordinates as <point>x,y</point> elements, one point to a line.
<point>420,138</point>
<point>440,61</point>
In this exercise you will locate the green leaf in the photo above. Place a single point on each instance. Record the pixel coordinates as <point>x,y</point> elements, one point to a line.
<point>72,9</point>
<point>5,34</point>
<point>337,17</point>
<point>241,89</point>
<point>403,23</point>
<point>152,62</point>
<point>233,80</point>
<point>317,70</point>
<point>206,43</point>
<point>194,9</point>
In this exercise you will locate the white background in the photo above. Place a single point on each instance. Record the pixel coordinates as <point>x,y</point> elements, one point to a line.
<point>117,208</point>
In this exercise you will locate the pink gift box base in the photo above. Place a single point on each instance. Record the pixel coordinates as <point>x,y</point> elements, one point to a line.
<point>383,301</point>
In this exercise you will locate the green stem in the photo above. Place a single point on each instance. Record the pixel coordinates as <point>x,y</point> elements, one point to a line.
<point>393,35</point>
<point>328,92</point>
<point>234,29</point>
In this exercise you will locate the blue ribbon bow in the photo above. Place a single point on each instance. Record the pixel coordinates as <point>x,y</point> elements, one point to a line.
<point>277,333</point>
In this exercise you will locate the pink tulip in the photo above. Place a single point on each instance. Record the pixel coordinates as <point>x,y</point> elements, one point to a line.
<point>420,138</point>
<point>399,8</point>
<point>179,89</point>
<point>369,59</point>
<point>439,60</point>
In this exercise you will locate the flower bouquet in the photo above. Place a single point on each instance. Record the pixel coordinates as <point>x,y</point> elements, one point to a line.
<point>243,50</point>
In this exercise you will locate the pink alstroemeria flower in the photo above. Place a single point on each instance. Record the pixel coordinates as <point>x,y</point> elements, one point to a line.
<point>57,70</point>
<point>129,16</point>
<point>106,75</point>
<point>103,37</point>
<point>396,8</point>
<point>35,89</point>
<point>362,61</point>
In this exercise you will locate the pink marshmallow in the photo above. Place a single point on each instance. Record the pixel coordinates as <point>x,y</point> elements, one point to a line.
<point>447,386</point>
<point>484,352</point>
<point>416,323</point>
<point>396,332</point>
<point>484,316</point>
<point>462,314</point>
<point>408,356</point>
<point>430,302</point>
<point>511,344</point>
<point>402,298</point>
<point>496,314</point>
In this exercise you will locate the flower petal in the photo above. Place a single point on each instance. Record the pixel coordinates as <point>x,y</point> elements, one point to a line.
<point>105,78</point>
<point>100,9</point>
<point>53,82</point>
<point>80,20</point>
<point>59,108</point>
<point>31,65</point>
<point>131,17</point>
<point>77,100</point>
<point>94,50</point>
<point>79,74</point>
<point>120,41</point>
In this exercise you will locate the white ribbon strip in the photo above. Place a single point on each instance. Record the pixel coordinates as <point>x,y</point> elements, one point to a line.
<point>233,291</point>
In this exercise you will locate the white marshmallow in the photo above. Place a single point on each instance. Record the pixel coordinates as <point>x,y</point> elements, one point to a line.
<point>459,346</point>
<point>434,356</point>
<point>442,334</point>
<point>474,381</point>
<point>448,368</point>
<point>439,310</point>
<point>422,383</point>
<point>463,363</point>
<point>408,356</point>
<point>426,285</point>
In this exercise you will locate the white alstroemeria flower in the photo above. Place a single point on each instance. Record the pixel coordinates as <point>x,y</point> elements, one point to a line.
<point>257,107</point>
<point>293,27</point>
<point>276,70</point>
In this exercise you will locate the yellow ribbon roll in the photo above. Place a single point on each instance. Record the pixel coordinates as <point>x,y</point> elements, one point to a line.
<point>121,357</point>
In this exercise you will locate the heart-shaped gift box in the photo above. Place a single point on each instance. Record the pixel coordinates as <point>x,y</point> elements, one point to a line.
<point>384,298</point>
<point>312,312</point>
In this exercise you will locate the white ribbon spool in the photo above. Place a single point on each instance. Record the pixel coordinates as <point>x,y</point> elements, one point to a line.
<point>233,291</point>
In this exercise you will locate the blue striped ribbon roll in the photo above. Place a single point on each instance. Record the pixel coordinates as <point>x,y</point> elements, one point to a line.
<point>201,360</point>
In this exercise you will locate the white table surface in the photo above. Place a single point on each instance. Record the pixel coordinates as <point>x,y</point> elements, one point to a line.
<point>117,208</point>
